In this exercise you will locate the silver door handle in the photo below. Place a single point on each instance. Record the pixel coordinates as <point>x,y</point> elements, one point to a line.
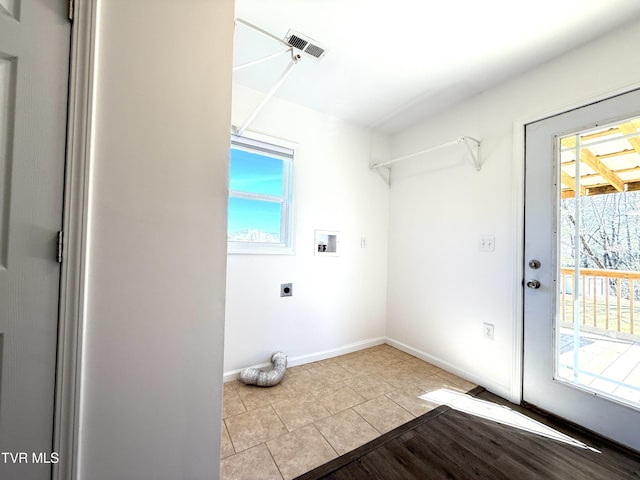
<point>535,284</point>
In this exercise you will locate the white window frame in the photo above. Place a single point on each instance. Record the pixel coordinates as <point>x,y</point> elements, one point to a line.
<point>284,151</point>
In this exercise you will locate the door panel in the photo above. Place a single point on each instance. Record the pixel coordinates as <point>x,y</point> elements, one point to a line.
<point>546,383</point>
<point>7,96</point>
<point>34,52</point>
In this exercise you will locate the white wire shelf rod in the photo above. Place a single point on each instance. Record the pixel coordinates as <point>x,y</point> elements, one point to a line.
<point>261,59</point>
<point>427,150</point>
<point>263,32</point>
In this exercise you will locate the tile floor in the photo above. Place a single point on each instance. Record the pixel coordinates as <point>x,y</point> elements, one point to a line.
<point>322,410</point>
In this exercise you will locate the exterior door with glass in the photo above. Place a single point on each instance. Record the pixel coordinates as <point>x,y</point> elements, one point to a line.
<point>582,267</point>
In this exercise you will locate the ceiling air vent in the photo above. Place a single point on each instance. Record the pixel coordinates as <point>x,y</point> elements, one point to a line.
<point>297,42</point>
<point>306,44</point>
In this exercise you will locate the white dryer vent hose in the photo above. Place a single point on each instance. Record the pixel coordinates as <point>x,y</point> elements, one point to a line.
<point>269,378</point>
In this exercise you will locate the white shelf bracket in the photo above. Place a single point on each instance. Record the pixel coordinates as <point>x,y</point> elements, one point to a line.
<point>386,176</point>
<point>473,146</point>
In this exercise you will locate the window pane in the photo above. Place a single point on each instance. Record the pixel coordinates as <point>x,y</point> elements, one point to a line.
<point>255,173</point>
<point>598,307</point>
<point>254,221</point>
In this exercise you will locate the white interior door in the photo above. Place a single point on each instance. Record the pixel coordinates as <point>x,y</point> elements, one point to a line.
<point>566,298</point>
<point>34,52</point>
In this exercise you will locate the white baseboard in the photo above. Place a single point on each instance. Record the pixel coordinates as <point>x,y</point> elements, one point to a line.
<point>335,352</point>
<point>500,390</point>
<point>314,357</point>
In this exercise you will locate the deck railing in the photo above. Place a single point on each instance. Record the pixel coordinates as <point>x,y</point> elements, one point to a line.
<point>607,299</point>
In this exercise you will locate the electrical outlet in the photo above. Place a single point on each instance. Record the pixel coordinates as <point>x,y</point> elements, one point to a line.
<point>286,289</point>
<point>487,243</point>
<point>487,331</point>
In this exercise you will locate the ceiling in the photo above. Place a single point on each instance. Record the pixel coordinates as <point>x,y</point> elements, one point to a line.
<point>392,63</point>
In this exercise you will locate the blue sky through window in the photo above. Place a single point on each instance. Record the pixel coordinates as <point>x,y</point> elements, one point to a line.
<point>255,173</point>
<point>254,215</point>
<point>255,220</point>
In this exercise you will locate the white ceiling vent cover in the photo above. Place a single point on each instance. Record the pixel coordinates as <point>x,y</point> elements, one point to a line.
<point>304,43</point>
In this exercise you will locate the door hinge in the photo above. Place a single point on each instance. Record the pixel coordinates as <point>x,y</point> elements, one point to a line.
<point>60,246</point>
<point>71,10</point>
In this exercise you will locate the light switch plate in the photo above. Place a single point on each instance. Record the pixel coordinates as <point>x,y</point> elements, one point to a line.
<point>487,243</point>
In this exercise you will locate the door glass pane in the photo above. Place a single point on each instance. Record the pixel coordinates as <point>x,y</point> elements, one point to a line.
<point>598,299</point>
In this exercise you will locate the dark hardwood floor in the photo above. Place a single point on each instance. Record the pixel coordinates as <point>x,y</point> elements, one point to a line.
<point>450,444</point>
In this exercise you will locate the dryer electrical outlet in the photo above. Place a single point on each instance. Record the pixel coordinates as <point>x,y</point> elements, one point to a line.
<point>286,289</point>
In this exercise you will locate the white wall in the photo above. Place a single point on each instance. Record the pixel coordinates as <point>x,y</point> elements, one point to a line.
<point>337,301</point>
<point>155,287</point>
<point>441,288</point>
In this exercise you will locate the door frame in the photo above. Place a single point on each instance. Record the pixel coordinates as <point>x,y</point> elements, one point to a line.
<point>68,387</point>
<point>518,202</point>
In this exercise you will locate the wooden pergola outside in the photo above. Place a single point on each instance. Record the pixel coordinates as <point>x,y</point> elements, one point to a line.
<point>609,160</point>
